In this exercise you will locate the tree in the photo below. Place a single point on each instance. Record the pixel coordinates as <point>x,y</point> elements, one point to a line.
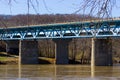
<point>102,8</point>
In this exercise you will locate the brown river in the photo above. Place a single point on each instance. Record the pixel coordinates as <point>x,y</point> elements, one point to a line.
<point>59,72</point>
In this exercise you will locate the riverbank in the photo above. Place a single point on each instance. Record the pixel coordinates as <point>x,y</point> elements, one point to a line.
<point>13,59</point>
<point>8,59</point>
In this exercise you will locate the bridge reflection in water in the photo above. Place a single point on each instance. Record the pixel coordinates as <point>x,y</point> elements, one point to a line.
<point>58,72</point>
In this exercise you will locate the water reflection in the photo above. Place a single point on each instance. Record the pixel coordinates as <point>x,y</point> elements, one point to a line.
<point>58,72</point>
<point>92,71</point>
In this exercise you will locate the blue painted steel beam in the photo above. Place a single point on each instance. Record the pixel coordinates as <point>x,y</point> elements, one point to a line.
<point>97,29</point>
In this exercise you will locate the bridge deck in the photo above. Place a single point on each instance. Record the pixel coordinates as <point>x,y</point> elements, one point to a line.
<point>88,29</point>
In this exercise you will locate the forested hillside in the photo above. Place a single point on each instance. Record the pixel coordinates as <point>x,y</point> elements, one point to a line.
<point>21,20</point>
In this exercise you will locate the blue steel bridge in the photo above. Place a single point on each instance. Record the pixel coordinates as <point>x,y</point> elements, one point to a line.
<point>88,29</point>
<point>25,40</point>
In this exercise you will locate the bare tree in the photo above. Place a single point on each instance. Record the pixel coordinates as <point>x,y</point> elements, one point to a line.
<point>100,8</point>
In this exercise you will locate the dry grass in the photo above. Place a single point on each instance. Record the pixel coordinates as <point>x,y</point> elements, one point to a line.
<point>50,60</point>
<point>8,59</point>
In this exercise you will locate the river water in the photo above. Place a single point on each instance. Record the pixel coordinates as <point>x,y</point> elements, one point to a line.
<point>58,72</point>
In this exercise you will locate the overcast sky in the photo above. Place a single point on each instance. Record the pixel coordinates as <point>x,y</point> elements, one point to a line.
<point>46,7</point>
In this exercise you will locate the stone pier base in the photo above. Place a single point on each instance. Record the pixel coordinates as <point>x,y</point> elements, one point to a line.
<point>29,52</point>
<point>62,51</point>
<point>103,52</point>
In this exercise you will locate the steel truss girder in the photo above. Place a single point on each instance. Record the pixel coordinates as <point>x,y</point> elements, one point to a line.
<point>109,28</point>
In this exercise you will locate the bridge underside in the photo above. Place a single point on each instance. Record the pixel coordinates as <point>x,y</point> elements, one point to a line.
<point>12,47</point>
<point>29,51</point>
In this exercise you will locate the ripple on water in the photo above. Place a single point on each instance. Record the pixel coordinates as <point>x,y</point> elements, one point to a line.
<point>58,72</point>
<point>64,78</point>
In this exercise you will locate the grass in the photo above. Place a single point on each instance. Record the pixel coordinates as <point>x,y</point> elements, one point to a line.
<point>3,58</point>
<point>8,59</point>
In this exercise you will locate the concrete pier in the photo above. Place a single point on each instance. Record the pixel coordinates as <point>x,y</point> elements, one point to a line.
<point>29,52</point>
<point>12,46</point>
<point>62,51</point>
<point>101,52</point>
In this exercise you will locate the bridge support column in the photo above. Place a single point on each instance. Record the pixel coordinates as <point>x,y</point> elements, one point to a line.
<point>101,52</point>
<point>29,52</point>
<point>12,46</point>
<point>62,50</point>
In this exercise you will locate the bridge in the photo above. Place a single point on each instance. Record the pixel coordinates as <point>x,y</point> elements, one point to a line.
<point>25,38</point>
<point>109,28</point>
